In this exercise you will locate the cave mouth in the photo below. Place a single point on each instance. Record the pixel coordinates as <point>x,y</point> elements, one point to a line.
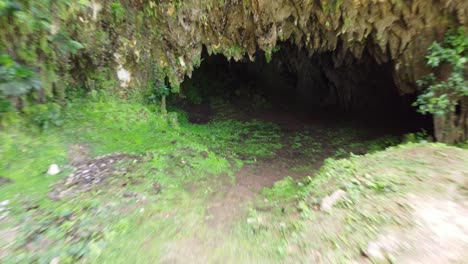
<point>289,82</point>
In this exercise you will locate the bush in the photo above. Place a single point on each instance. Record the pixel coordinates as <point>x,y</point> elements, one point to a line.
<point>16,79</point>
<point>45,115</point>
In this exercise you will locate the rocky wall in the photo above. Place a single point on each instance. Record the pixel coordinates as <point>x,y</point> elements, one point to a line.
<point>136,41</point>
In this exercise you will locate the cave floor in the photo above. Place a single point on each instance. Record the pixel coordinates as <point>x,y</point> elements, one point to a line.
<point>305,142</point>
<point>238,184</point>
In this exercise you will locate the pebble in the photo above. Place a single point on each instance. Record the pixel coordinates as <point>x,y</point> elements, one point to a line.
<point>53,170</point>
<point>251,220</point>
<point>4,203</point>
<point>55,260</point>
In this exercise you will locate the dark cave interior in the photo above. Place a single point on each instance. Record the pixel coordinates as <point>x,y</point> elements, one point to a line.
<point>290,81</point>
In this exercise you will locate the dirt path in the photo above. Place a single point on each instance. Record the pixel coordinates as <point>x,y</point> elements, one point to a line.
<point>230,202</point>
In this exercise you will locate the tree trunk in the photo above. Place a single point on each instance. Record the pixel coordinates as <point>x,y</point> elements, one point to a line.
<point>463,118</point>
<point>163,105</point>
<point>453,127</point>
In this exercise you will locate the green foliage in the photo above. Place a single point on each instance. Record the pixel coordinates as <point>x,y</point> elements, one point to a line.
<point>45,115</point>
<point>16,79</point>
<point>416,137</point>
<point>8,7</point>
<point>26,155</point>
<point>5,105</point>
<point>190,164</point>
<point>118,11</point>
<point>82,227</point>
<point>157,92</point>
<point>283,190</point>
<point>442,96</point>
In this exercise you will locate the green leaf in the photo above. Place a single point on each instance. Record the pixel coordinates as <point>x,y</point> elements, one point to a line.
<point>74,46</point>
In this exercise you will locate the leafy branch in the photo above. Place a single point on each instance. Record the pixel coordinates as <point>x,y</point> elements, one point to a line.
<point>442,96</point>
<point>16,79</point>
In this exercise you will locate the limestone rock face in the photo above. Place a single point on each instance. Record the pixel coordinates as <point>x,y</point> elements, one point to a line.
<point>392,31</point>
<point>164,38</point>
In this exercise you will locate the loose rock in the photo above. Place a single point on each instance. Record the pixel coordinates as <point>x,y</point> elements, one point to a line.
<point>53,170</point>
<point>382,249</point>
<point>130,195</point>
<point>328,202</point>
<point>55,260</point>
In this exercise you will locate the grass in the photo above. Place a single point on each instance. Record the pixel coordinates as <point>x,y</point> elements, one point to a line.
<point>191,162</point>
<point>26,156</point>
<point>175,156</point>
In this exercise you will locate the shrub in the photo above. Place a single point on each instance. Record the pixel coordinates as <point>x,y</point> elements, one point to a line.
<point>441,97</point>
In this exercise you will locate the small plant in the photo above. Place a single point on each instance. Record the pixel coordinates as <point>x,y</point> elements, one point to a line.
<point>118,12</point>
<point>158,92</point>
<point>45,115</point>
<point>416,137</point>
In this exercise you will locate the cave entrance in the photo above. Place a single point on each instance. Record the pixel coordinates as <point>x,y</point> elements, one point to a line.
<point>290,84</point>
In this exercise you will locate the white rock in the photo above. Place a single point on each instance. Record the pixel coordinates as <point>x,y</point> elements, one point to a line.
<point>251,220</point>
<point>374,252</point>
<point>383,248</point>
<point>53,170</point>
<point>55,260</point>
<point>4,203</point>
<point>330,201</point>
<point>124,76</point>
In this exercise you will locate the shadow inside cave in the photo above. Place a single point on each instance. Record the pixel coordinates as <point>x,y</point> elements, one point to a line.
<point>291,88</point>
